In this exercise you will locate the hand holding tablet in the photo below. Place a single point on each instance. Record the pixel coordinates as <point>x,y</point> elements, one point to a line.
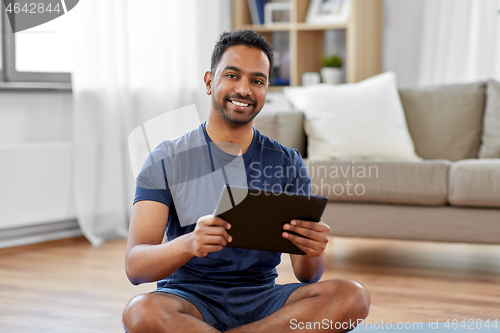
<point>257,221</point>
<point>310,237</point>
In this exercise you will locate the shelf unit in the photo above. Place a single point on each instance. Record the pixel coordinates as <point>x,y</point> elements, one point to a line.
<point>363,38</point>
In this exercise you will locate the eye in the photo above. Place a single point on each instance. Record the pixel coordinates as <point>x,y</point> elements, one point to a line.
<point>259,82</point>
<point>232,76</point>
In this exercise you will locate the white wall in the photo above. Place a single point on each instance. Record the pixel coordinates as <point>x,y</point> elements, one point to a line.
<point>35,158</point>
<point>34,117</point>
<point>402,31</point>
<point>403,22</point>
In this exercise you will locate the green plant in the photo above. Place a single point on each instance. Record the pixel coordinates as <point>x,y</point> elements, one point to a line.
<point>332,61</point>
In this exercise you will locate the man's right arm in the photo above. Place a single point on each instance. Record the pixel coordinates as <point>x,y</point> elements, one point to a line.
<point>148,260</point>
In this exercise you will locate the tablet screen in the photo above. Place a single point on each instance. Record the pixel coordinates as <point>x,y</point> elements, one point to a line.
<point>257,216</point>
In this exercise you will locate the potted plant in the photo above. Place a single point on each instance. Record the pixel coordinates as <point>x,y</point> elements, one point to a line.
<point>331,71</point>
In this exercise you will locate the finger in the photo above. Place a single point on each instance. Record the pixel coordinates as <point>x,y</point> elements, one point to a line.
<point>215,221</point>
<point>298,240</point>
<point>318,226</point>
<point>307,250</point>
<point>214,240</point>
<point>305,243</point>
<point>209,249</point>
<point>309,233</point>
<point>215,231</point>
<point>204,231</point>
<point>227,237</point>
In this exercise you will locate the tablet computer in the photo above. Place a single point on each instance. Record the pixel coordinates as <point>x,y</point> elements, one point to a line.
<point>257,216</point>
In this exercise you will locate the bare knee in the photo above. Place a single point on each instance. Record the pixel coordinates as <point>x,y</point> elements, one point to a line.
<point>144,313</point>
<point>353,297</point>
<point>137,313</point>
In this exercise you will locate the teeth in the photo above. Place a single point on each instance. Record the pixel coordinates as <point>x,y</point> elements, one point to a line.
<point>238,103</point>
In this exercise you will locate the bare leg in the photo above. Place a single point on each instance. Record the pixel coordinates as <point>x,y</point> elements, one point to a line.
<point>334,301</point>
<point>161,312</point>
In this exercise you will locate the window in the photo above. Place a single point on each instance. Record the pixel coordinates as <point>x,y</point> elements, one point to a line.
<point>41,56</point>
<point>1,43</point>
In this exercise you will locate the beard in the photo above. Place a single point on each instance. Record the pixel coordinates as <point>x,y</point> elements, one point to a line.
<point>222,110</point>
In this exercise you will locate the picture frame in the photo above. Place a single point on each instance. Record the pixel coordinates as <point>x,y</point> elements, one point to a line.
<point>329,12</point>
<point>277,13</point>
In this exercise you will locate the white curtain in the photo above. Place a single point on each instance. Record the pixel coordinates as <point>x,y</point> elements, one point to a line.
<point>135,59</point>
<point>460,41</point>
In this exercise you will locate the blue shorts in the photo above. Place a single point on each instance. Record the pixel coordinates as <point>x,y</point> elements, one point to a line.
<point>227,307</point>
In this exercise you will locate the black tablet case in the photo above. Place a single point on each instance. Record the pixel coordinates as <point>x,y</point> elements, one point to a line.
<point>257,221</point>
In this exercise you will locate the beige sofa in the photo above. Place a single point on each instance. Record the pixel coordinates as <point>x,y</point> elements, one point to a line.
<point>450,196</point>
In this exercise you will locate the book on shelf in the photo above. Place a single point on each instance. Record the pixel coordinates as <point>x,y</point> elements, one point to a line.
<point>257,10</point>
<point>280,75</point>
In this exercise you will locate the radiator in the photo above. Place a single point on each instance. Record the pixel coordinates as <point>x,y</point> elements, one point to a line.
<point>36,193</point>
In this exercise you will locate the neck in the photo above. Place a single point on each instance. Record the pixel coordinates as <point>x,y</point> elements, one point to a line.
<point>221,131</point>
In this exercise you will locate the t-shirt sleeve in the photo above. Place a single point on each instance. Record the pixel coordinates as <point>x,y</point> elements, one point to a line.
<point>301,183</point>
<point>152,181</point>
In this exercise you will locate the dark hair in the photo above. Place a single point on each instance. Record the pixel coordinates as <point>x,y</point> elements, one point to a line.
<point>241,37</point>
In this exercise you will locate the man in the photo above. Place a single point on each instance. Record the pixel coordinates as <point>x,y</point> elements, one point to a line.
<point>205,286</point>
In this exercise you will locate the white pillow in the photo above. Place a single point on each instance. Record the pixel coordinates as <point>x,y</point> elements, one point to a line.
<point>362,120</point>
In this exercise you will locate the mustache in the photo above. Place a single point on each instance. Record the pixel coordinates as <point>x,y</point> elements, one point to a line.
<point>241,98</point>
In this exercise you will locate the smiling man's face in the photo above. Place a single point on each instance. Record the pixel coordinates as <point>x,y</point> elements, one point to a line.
<point>239,84</point>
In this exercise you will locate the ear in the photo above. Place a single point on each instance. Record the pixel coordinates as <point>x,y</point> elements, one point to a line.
<point>208,82</point>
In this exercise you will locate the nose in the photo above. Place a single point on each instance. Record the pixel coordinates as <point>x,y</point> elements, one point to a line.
<point>243,88</point>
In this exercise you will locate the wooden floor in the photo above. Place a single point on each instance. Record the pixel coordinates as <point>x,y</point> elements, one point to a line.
<point>72,287</point>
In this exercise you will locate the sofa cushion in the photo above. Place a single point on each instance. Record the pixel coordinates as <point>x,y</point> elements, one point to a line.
<point>475,183</point>
<point>419,183</point>
<point>285,127</point>
<point>490,147</point>
<point>362,120</point>
<point>445,121</point>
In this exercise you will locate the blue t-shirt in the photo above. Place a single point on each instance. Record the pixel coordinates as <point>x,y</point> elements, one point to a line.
<point>187,175</point>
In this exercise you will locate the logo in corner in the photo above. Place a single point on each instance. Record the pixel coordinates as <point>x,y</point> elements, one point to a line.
<point>26,14</point>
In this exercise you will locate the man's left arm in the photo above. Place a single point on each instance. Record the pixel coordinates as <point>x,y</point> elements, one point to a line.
<point>308,267</point>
